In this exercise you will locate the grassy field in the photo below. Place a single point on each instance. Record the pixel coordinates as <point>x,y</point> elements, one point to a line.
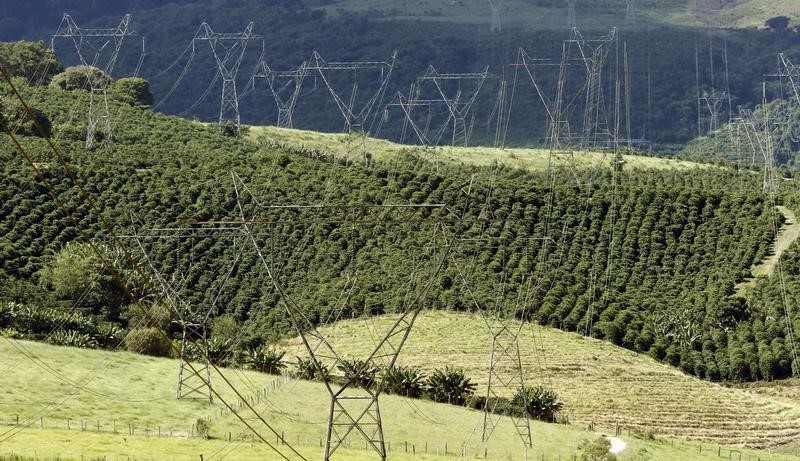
<point>531,159</point>
<point>595,14</point>
<point>598,381</point>
<point>119,405</point>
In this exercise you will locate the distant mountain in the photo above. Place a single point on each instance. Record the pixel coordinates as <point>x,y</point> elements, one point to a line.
<point>663,82</point>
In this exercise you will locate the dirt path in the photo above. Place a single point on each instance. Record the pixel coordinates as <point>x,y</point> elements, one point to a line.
<point>786,236</point>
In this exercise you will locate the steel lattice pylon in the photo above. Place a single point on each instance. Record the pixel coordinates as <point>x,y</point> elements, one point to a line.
<point>359,115</point>
<point>98,41</point>
<point>194,381</point>
<point>497,20</point>
<point>457,105</point>
<point>630,12</point>
<point>354,407</point>
<point>792,73</point>
<point>593,54</point>
<point>228,50</point>
<point>278,81</point>
<point>505,371</point>
<point>572,22</point>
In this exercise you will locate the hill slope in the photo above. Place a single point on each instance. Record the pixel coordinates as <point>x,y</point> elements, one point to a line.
<point>129,390</point>
<point>598,382</point>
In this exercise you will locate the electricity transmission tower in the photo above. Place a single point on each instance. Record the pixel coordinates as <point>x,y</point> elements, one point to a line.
<point>356,111</point>
<point>593,55</point>
<point>558,124</point>
<point>408,105</point>
<point>285,87</point>
<point>228,50</point>
<point>630,12</point>
<point>458,104</point>
<point>792,73</point>
<point>713,101</point>
<point>98,48</point>
<point>354,408</point>
<point>192,320</point>
<point>497,22</point>
<point>572,22</point>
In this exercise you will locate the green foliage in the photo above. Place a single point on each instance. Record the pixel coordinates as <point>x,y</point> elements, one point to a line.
<point>265,360</point>
<point>21,121</point>
<point>131,90</point>
<point>148,341</point>
<point>596,450</point>
<point>203,427</point>
<point>778,23</point>
<point>359,372</point>
<point>86,78</point>
<point>77,274</point>
<point>450,385</point>
<point>219,351</point>
<point>539,402</point>
<point>405,381</point>
<point>305,369</point>
<point>29,60</point>
<point>72,338</point>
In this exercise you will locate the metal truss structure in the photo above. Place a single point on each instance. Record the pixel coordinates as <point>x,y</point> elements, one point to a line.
<point>593,55</point>
<point>409,105</point>
<point>505,364</point>
<point>760,132</point>
<point>458,105</point>
<point>228,50</point>
<point>354,408</point>
<point>358,113</point>
<point>497,20</point>
<point>572,21</point>
<point>98,48</point>
<point>713,101</point>
<point>285,87</point>
<point>791,72</point>
<point>558,124</point>
<point>194,381</point>
<point>630,12</point>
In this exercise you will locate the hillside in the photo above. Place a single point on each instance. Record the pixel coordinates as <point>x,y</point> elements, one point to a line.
<point>663,81</point>
<point>123,390</point>
<point>598,382</point>
<point>653,241</point>
<point>544,14</point>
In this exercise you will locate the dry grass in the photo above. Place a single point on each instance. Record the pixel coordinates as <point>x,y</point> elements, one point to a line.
<point>599,382</point>
<point>530,159</point>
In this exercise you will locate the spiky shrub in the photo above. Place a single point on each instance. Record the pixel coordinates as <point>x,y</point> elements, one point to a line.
<point>72,338</point>
<point>265,360</point>
<point>218,351</point>
<point>406,381</point>
<point>450,385</point>
<point>360,372</point>
<point>539,402</point>
<point>305,369</point>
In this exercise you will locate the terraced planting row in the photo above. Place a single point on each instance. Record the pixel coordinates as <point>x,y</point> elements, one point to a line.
<point>599,382</point>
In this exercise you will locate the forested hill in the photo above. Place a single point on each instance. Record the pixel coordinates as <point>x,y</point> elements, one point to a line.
<point>664,83</point>
<point>646,259</point>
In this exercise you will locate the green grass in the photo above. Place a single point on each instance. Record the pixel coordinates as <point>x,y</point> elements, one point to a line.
<point>595,14</point>
<point>120,388</point>
<point>530,159</point>
<point>787,235</point>
<point>598,381</point>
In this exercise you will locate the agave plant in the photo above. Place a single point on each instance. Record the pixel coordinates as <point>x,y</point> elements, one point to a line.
<point>305,369</point>
<point>539,402</point>
<point>360,372</point>
<point>72,338</point>
<point>450,385</point>
<point>406,381</point>
<point>265,360</point>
